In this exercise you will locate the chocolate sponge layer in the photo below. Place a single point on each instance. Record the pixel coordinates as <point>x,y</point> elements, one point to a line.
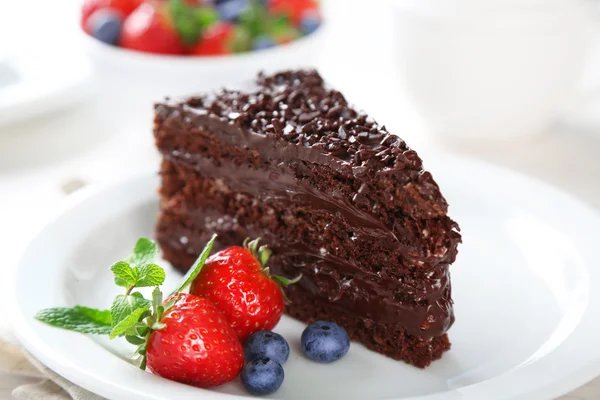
<point>335,196</point>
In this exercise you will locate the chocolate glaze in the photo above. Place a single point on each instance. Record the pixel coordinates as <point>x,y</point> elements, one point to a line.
<point>291,122</point>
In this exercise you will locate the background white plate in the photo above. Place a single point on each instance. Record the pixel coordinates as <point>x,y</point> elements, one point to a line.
<point>29,87</point>
<point>527,320</point>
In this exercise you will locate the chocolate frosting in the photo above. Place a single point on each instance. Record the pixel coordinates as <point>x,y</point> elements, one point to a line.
<point>292,121</point>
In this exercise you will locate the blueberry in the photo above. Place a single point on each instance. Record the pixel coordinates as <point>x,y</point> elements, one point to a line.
<point>267,344</point>
<point>262,376</point>
<point>231,10</point>
<point>310,22</point>
<point>325,342</point>
<point>105,25</point>
<point>263,42</point>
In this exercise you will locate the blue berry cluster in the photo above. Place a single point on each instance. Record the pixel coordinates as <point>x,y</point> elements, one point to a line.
<point>265,353</point>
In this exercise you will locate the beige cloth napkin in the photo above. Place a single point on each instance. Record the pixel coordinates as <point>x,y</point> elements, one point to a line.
<point>27,379</point>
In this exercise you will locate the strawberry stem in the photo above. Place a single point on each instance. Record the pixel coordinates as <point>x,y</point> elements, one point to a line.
<point>285,281</point>
<point>262,254</point>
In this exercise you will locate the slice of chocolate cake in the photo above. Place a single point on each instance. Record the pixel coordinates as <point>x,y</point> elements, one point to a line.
<point>335,196</point>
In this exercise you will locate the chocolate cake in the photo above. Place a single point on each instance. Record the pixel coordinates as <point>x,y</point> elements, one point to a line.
<point>335,195</point>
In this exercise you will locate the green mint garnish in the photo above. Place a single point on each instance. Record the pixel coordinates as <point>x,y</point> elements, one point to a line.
<point>124,305</point>
<point>144,252</point>
<point>79,319</point>
<point>139,270</point>
<point>131,315</point>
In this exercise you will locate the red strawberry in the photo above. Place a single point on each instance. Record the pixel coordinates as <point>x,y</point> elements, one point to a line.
<point>124,7</point>
<point>197,346</point>
<point>149,29</point>
<point>237,282</point>
<point>215,40</point>
<point>293,8</point>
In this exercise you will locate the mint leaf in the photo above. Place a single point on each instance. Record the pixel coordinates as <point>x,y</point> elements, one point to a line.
<point>197,267</point>
<point>125,275</point>
<point>145,252</point>
<point>129,322</point>
<point>78,319</point>
<point>150,275</point>
<point>123,306</point>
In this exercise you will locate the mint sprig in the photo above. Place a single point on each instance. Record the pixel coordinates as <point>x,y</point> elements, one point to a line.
<point>131,315</point>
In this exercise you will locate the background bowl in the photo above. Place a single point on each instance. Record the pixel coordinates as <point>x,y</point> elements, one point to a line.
<point>155,76</point>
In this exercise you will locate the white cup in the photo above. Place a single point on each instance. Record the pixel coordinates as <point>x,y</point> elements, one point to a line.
<point>492,69</point>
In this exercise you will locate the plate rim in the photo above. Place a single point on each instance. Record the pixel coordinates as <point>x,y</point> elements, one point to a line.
<point>30,339</point>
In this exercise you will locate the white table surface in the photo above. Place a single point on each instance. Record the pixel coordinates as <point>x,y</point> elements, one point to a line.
<point>37,157</point>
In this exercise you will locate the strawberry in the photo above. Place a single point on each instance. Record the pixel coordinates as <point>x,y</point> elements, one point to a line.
<point>185,338</point>
<point>123,7</point>
<point>215,40</point>
<point>197,346</point>
<point>238,283</point>
<point>149,29</point>
<point>295,9</point>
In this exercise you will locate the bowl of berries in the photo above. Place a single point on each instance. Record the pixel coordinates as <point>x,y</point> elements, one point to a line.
<point>152,48</point>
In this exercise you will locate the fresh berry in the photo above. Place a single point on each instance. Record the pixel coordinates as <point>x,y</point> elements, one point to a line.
<point>215,40</point>
<point>185,338</point>
<point>149,29</point>
<point>105,25</point>
<point>124,7</point>
<point>189,20</point>
<point>292,8</point>
<point>197,346</point>
<point>267,344</point>
<point>230,10</point>
<point>287,35</point>
<point>263,42</point>
<point>310,22</point>
<point>262,376</point>
<point>238,282</point>
<point>325,342</point>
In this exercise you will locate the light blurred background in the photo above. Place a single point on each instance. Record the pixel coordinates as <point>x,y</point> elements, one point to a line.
<point>512,82</point>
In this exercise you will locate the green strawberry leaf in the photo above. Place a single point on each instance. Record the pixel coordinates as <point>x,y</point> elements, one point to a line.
<point>150,275</point>
<point>156,298</point>
<point>78,319</point>
<point>136,340</point>
<point>205,16</point>
<point>158,326</point>
<point>189,20</point>
<point>144,252</point>
<point>125,275</point>
<point>241,40</point>
<point>128,323</point>
<point>125,305</point>
<point>196,268</point>
<point>169,304</point>
<point>143,362</point>
<point>255,19</point>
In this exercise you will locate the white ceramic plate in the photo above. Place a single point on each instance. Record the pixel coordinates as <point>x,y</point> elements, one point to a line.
<point>527,318</point>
